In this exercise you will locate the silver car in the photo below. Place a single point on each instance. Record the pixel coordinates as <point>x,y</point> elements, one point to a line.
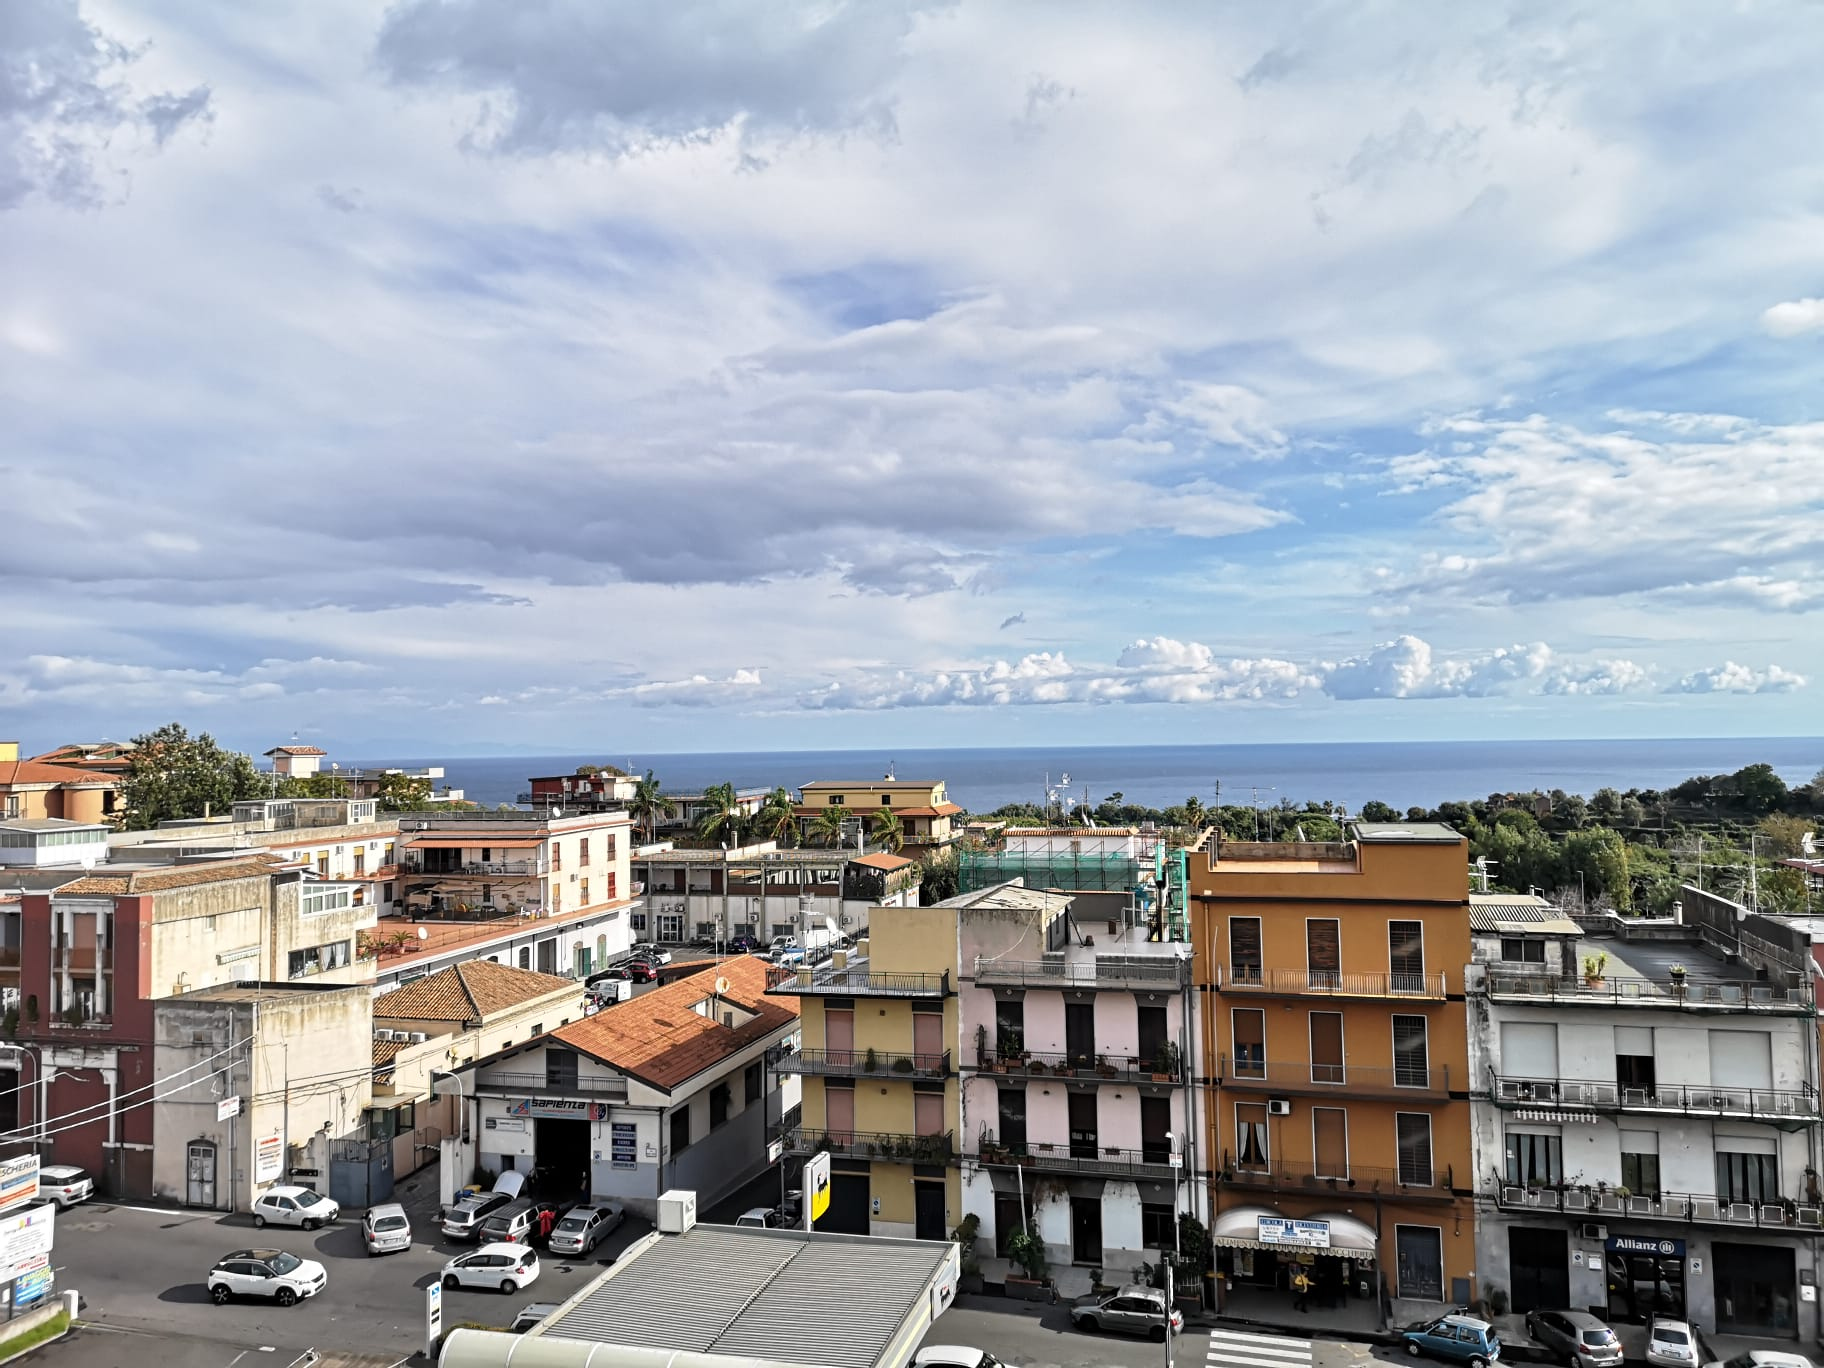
<point>1671,1343</point>
<point>1134,1310</point>
<point>386,1229</point>
<point>585,1227</point>
<point>1576,1336</point>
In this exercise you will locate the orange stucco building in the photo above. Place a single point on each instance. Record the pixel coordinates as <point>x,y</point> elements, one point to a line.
<point>31,790</point>
<point>1338,1119</point>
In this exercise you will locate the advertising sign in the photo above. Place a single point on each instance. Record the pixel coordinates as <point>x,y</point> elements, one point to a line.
<point>561,1107</point>
<point>816,1187</point>
<point>1636,1244</point>
<point>268,1158</point>
<point>34,1286</point>
<point>18,1181</point>
<point>623,1145</point>
<point>227,1107</point>
<point>25,1241</point>
<point>1279,1230</point>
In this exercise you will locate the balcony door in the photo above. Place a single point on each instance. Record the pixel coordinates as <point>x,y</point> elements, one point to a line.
<point>1156,1129</point>
<point>1330,1142</point>
<point>1080,1033</point>
<point>1406,956</point>
<point>1249,1027</point>
<point>839,1031</point>
<point>1251,1151</point>
<point>1323,952</point>
<point>1084,1141</point>
<point>928,1038</point>
<point>1326,1047</point>
<point>839,1109</point>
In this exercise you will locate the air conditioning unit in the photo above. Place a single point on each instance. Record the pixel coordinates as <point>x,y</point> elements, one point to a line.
<point>1589,1230</point>
<point>677,1211</point>
<point>1279,1106</point>
<point>417,1037</point>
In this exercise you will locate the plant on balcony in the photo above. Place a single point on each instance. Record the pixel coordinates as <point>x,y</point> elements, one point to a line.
<point>981,1046</point>
<point>10,1024</point>
<point>1594,967</point>
<point>1623,1191</point>
<point>870,1061</point>
<point>904,1065</point>
<point>1165,1066</point>
<point>1103,1067</point>
<point>31,1008</point>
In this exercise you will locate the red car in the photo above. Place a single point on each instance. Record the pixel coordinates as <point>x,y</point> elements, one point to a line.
<point>641,972</point>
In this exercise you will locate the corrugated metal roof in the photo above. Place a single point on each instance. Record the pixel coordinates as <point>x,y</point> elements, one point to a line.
<point>764,1294</point>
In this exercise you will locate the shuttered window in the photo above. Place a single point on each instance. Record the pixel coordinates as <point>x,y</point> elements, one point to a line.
<point>1244,949</point>
<point>1406,955</point>
<point>1330,1141</point>
<point>1411,1055</point>
<point>1326,1047</point>
<point>1323,952</point>
<point>1414,1136</point>
<point>1250,1027</point>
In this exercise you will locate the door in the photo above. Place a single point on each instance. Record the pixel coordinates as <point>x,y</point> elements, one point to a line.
<point>839,1032</point>
<point>1083,1142</point>
<point>1155,1129</point>
<point>1327,1047</point>
<point>1755,1288</point>
<point>1086,1230</point>
<point>928,1115</point>
<point>199,1175</point>
<point>1080,1034</point>
<point>1330,1141</point>
<point>1539,1267</point>
<point>928,1039</point>
<point>840,1111</point>
<point>928,1211</point>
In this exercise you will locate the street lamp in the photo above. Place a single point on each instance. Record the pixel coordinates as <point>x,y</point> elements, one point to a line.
<point>462,1111</point>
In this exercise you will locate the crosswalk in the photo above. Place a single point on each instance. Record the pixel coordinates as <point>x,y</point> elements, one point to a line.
<point>1237,1349</point>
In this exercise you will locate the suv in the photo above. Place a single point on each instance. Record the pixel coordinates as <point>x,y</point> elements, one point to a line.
<point>265,1273</point>
<point>288,1204</point>
<point>1134,1310</point>
<point>385,1229</point>
<point>743,945</point>
<point>1577,1336</point>
<point>462,1219</point>
<point>1461,1338</point>
<point>525,1222</point>
<point>584,1227</point>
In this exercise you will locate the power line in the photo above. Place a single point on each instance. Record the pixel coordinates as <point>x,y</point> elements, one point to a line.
<point>113,1103</point>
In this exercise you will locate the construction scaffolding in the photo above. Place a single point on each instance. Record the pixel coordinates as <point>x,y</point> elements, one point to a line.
<point>1145,880</point>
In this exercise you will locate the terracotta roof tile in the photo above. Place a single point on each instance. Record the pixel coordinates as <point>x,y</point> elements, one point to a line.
<point>36,772</point>
<point>160,880</point>
<point>468,992</point>
<point>297,750</point>
<point>660,1039</point>
<point>385,1050</point>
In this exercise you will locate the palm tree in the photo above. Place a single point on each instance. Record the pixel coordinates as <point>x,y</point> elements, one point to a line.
<point>721,819</point>
<point>826,826</point>
<point>777,819</point>
<point>648,804</point>
<point>1193,811</point>
<point>888,830</point>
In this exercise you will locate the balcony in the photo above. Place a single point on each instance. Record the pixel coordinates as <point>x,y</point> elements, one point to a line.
<point>1102,1068</point>
<point>1325,984</point>
<point>1698,1208</point>
<point>1081,1159</point>
<point>1357,1181</point>
<point>1105,972</point>
<point>519,1084</point>
<point>865,1064</point>
<point>888,1147</point>
<point>1717,1101</point>
<point>1547,990</point>
<point>1342,1081</point>
<point>861,983</point>
<point>491,869</point>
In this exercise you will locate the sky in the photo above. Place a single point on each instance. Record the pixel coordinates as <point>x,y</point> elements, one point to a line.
<point>697,374</point>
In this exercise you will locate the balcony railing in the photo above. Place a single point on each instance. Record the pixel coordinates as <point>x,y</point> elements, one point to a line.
<point>1351,1179</point>
<point>497,869</point>
<point>499,1082</point>
<point>864,1063</point>
<point>861,983</point>
<point>1154,1163</point>
<point>1704,1208</point>
<point>1332,1080</point>
<point>1712,1100</point>
<point>887,1146</point>
<point>1105,972</point>
<point>1324,983</point>
<point>1619,992</point>
<point>1104,1068</point>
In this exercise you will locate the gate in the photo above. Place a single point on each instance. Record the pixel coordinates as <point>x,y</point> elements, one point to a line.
<point>199,1174</point>
<point>361,1172</point>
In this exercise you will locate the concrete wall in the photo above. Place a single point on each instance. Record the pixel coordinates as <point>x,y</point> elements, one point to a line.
<point>610,930</point>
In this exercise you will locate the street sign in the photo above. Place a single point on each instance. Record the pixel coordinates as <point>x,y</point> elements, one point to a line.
<point>227,1107</point>
<point>816,1187</point>
<point>433,1318</point>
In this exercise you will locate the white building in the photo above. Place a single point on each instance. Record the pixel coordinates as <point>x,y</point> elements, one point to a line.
<point>1646,1115</point>
<point>52,842</point>
<point>767,893</point>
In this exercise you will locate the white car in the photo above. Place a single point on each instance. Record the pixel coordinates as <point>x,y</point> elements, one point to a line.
<point>65,1184</point>
<point>507,1267</point>
<point>953,1356</point>
<point>584,1227</point>
<point>1670,1344</point>
<point>652,954</point>
<point>293,1206</point>
<point>285,1278</point>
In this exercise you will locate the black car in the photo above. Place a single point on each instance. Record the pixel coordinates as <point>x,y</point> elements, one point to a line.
<point>743,945</point>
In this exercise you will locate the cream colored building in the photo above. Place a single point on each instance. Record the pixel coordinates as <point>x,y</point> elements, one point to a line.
<point>922,806</point>
<point>508,864</point>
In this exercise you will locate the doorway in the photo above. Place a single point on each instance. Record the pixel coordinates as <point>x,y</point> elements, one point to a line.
<point>928,1211</point>
<point>928,1039</point>
<point>1538,1268</point>
<point>848,1212</point>
<point>1641,1284</point>
<point>1083,1141</point>
<point>1086,1231</point>
<point>560,1166</point>
<point>199,1174</point>
<point>1156,1129</point>
<point>1754,1289</point>
<point>1080,1034</point>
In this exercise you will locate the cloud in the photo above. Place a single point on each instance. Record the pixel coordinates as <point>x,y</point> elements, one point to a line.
<point>1739,679</point>
<point>698,691</point>
<point>1406,668</point>
<point>1794,318</point>
<point>1015,620</point>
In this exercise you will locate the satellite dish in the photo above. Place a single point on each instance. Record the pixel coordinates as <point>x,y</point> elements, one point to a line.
<point>424,933</point>
<point>721,985</point>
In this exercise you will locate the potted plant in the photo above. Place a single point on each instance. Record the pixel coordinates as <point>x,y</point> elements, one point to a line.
<point>1678,972</point>
<point>1593,968</point>
<point>871,1062</point>
<point>1103,1067</point>
<point>903,1064</point>
<point>1027,1252</point>
<point>967,1231</point>
<point>1165,1067</point>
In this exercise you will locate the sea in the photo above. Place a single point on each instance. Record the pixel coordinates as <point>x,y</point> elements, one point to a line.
<point>1400,773</point>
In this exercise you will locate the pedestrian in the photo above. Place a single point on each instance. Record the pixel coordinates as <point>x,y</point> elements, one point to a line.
<point>1301,1284</point>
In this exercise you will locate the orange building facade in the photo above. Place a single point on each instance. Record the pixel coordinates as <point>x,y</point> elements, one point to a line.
<point>1334,1022</point>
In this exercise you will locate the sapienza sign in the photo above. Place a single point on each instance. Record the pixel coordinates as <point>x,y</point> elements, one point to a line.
<point>1635,1244</point>
<point>560,1107</point>
<point>1278,1230</point>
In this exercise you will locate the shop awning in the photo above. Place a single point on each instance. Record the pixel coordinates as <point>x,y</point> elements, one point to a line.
<point>1350,1236</point>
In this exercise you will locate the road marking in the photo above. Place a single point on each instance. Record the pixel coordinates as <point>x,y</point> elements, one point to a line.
<point>1237,1349</point>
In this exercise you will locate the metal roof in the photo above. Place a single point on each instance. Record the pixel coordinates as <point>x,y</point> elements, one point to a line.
<point>1523,912</point>
<point>759,1294</point>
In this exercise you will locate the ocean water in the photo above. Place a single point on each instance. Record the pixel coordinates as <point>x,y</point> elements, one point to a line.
<point>1401,773</point>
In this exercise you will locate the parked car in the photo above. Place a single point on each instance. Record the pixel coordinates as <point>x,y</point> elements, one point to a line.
<point>1763,1358</point>
<point>606,992</point>
<point>1575,1336</point>
<point>530,1220</point>
<point>1133,1310</point>
<point>285,1278</point>
<point>764,1217</point>
<point>294,1206</point>
<point>1463,1339</point>
<point>652,954</point>
<point>531,1314</point>
<point>65,1184</point>
<point>462,1218</point>
<point>1671,1343</point>
<point>742,945</point>
<point>953,1356</point>
<point>584,1227</point>
<point>386,1229</point>
<point>507,1267</point>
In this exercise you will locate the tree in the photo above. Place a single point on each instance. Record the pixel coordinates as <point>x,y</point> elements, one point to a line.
<point>1782,837</point>
<point>777,819</point>
<point>399,792</point>
<point>1193,811</point>
<point>1376,811</point>
<point>323,784</point>
<point>1758,789</point>
<point>826,826</point>
<point>721,819</point>
<point>938,880</point>
<point>648,804</point>
<point>172,774</point>
<point>888,830</point>
<point>1605,805</point>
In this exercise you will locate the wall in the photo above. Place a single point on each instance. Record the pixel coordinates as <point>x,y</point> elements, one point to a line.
<point>565,937</point>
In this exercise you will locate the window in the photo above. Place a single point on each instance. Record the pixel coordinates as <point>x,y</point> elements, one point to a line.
<point>1413,1130</point>
<point>1522,950</point>
<point>1330,1142</point>
<point>680,1130</point>
<point>1411,1056</point>
<point>557,855</point>
<point>608,893</point>
<point>1157,1229</point>
<point>1747,1177</point>
<point>582,853</point>
<point>1250,1027</point>
<point>1009,1028</point>
<point>560,1068</point>
<point>525,957</point>
<point>1406,956</point>
<point>835,800</point>
<point>1251,1149</point>
<point>719,1101</point>
<point>1534,1157</point>
<point>1244,949</point>
<point>1640,1162</point>
<point>1326,1047</point>
<point>1013,1118</point>
<point>608,848</point>
<point>1419,1252</point>
<point>751,1084</point>
<point>1323,952</point>
<point>585,893</point>
<point>885,801</point>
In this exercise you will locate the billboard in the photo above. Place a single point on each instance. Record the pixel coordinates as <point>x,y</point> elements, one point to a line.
<point>816,1185</point>
<point>268,1158</point>
<point>18,1181</point>
<point>25,1241</point>
<point>1280,1230</point>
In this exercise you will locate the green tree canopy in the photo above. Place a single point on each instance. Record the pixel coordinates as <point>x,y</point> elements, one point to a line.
<point>323,784</point>
<point>173,774</point>
<point>889,830</point>
<point>402,792</point>
<point>721,819</point>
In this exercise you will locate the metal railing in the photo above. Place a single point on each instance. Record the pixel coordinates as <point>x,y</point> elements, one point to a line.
<point>889,1146</point>
<point>482,869</point>
<point>864,1063</point>
<point>861,983</point>
<point>1328,983</point>
<point>1350,1178</point>
<point>1710,997</point>
<point>1105,971</point>
<point>1711,1099</point>
<point>1701,1208</point>
<point>1104,1067</point>
<point>497,1081</point>
<point>1341,1080</point>
<point>1150,1162</point>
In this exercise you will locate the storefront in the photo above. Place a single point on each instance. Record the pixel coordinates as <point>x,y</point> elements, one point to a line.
<point>1756,1286</point>
<point>1645,1276</point>
<point>1259,1249</point>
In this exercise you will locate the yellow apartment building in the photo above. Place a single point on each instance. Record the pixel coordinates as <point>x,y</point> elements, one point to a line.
<point>1338,1123</point>
<point>879,1066</point>
<point>923,807</point>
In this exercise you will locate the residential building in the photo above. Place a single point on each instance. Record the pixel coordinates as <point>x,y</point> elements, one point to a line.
<point>1076,1099</point>
<point>669,1089</point>
<point>296,762</point>
<point>606,789</point>
<point>923,808</point>
<point>761,891</point>
<point>879,1058</point>
<point>1331,985</point>
<point>1647,1114</point>
<point>301,762</point>
<point>34,789</point>
<point>1125,860</point>
<point>514,863</point>
<point>687,811</point>
<point>103,757</point>
<point>260,1083</point>
<point>52,843</point>
<point>1129,843</point>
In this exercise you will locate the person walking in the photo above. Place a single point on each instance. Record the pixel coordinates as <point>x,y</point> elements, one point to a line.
<point>1301,1284</point>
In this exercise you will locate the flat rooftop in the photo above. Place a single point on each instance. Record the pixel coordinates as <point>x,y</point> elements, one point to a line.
<point>441,937</point>
<point>1407,833</point>
<point>772,1296</point>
